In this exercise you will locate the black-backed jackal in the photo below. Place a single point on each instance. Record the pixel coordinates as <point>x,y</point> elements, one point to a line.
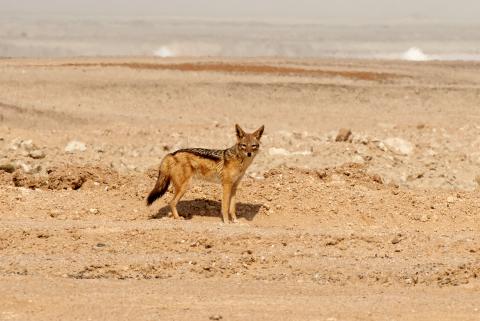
<point>226,166</point>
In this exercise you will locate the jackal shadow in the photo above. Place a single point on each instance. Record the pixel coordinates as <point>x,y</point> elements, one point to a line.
<point>204,207</point>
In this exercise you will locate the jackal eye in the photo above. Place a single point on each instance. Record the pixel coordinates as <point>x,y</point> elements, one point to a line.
<point>243,146</point>
<point>255,146</point>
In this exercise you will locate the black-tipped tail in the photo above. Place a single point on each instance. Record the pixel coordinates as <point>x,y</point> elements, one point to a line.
<point>160,188</point>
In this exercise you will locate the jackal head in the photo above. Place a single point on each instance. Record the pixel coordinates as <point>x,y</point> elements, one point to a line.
<point>248,143</point>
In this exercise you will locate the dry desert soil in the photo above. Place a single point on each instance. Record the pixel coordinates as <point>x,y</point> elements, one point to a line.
<point>380,224</point>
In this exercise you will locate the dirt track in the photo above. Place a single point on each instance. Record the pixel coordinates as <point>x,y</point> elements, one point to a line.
<point>383,226</point>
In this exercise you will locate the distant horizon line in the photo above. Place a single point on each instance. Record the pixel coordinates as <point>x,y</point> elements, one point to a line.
<point>255,19</point>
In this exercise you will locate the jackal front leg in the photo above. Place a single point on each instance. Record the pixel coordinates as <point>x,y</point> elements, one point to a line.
<point>233,203</point>
<point>227,192</point>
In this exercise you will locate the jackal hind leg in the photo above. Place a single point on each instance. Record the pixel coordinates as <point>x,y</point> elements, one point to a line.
<point>180,190</point>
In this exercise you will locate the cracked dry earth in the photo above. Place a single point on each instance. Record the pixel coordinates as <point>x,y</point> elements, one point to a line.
<point>360,229</point>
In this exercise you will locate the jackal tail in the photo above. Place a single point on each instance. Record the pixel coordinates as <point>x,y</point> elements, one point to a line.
<point>161,186</point>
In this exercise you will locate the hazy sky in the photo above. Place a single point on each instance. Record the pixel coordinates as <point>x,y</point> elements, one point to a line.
<point>455,10</point>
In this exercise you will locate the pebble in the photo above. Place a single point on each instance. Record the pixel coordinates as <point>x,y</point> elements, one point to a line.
<point>382,146</point>
<point>27,145</point>
<point>360,139</point>
<point>216,317</point>
<point>29,169</point>
<point>477,179</point>
<point>424,218</point>
<point>54,213</point>
<point>396,240</point>
<point>322,174</point>
<point>398,145</point>
<point>37,154</point>
<point>75,146</point>
<point>273,151</point>
<point>358,159</point>
<point>343,135</point>
<point>7,167</point>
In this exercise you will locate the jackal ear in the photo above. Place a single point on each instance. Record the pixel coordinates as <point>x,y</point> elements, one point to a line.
<point>258,133</point>
<point>239,131</point>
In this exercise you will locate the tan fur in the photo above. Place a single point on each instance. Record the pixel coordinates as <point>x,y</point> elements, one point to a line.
<point>225,166</point>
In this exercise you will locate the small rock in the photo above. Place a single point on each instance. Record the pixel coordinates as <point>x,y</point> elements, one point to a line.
<point>382,146</point>
<point>343,135</point>
<point>131,167</point>
<point>25,167</point>
<point>358,159</point>
<point>54,213</point>
<point>421,126</point>
<point>94,211</point>
<point>29,169</point>
<point>297,135</point>
<point>273,151</point>
<point>27,145</point>
<point>322,174</point>
<point>360,139</point>
<point>396,240</point>
<point>15,144</point>
<point>450,199</point>
<point>101,245</point>
<point>424,218</point>
<point>376,178</point>
<point>36,154</point>
<point>398,145</point>
<point>216,317</point>
<point>413,177</point>
<point>100,149</point>
<point>75,146</point>
<point>7,167</point>
<point>302,152</point>
<point>477,179</point>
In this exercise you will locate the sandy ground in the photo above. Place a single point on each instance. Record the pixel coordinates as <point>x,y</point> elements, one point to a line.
<point>382,226</point>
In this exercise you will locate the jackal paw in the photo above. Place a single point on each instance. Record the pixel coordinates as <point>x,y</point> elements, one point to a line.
<point>234,220</point>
